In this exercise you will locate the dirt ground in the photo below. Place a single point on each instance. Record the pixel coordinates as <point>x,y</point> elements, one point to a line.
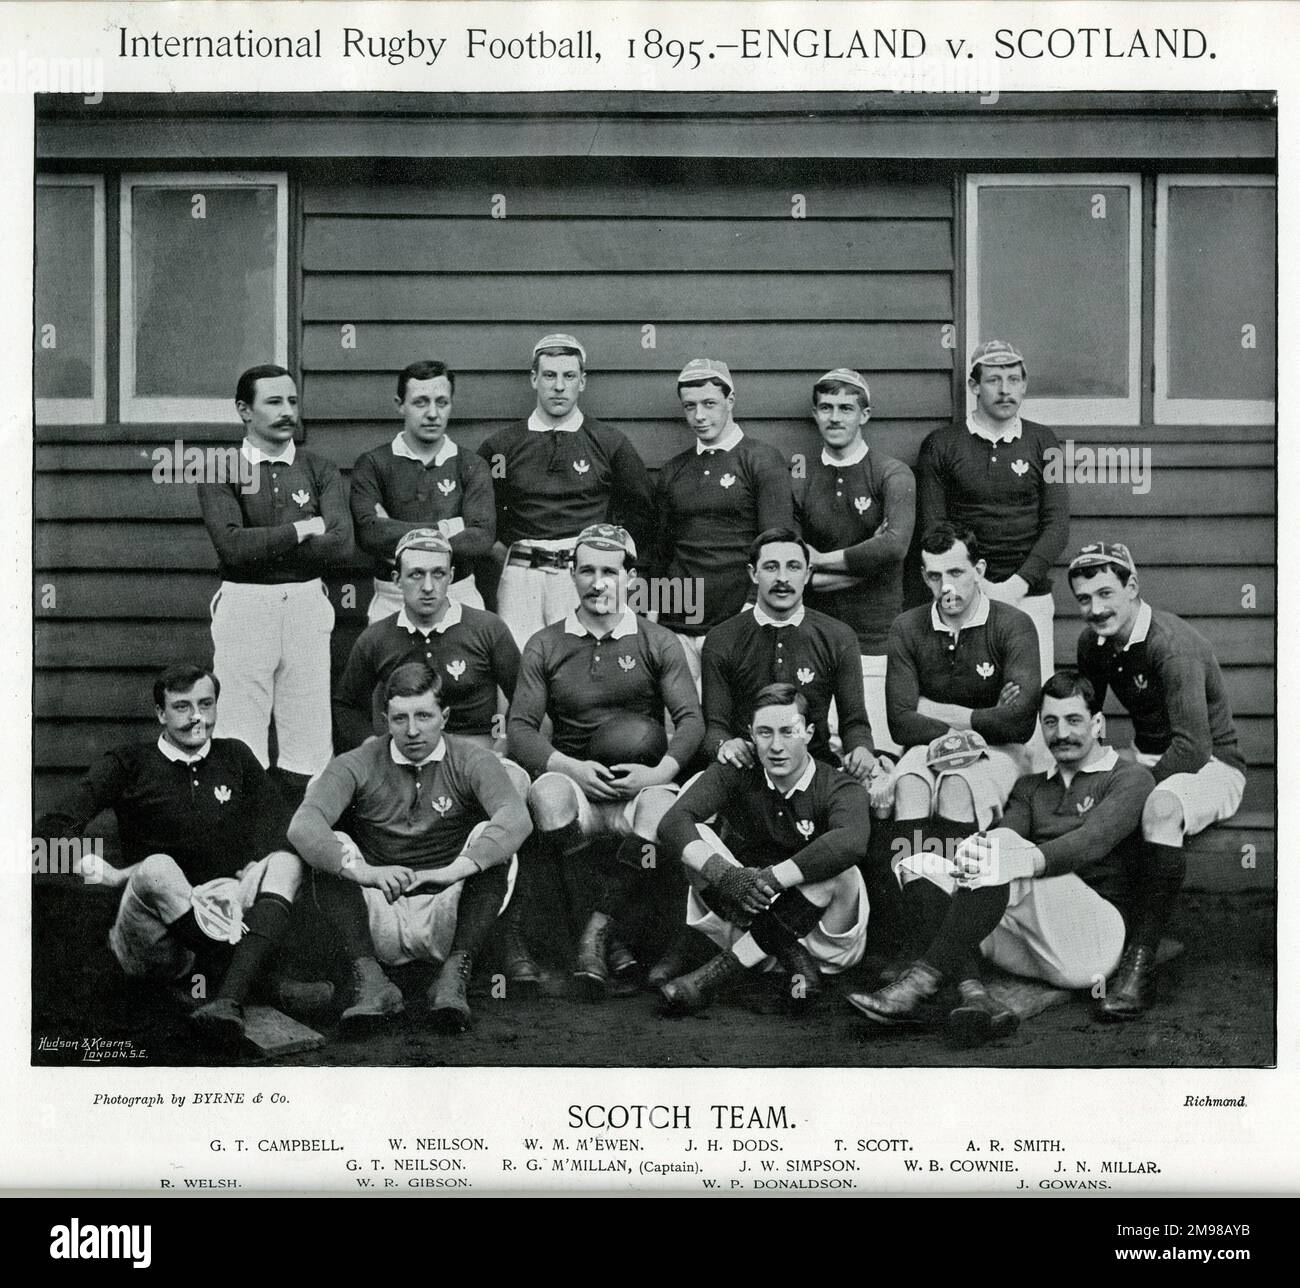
<point>1216,1010</point>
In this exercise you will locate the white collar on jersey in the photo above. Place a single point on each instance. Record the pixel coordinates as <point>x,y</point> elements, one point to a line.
<point>173,752</point>
<point>804,779</point>
<point>255,456</point>
<point>979,617</point>
<point>1141,627</point>
<point>569,425</point>
<point>764,619</point>
<point>1008,434</point>
<point>1099,766</point>
<point>858,453</point>
<point>452,617</point>
<point>626,626</point>
<point>731,436</point>
<point>445,452</point>
<point>432,758</point>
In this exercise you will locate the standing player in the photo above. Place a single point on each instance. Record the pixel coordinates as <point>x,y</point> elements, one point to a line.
<point>1046,894</point>
<point>554,475</point>
<point>429,864</point>
<point>203,840</point>
<point>711,501</point>
<point>779,641</point>
<point>989,474</point>
<point>962,694</point>
<point>787,891</point>
<point>1166,675</point>
<point>422,480</point>
<point>855,508</point>
<point>271,617</point>
<point>600,664</point>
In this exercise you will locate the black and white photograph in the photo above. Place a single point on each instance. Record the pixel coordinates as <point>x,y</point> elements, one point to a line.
<point>652,577</point>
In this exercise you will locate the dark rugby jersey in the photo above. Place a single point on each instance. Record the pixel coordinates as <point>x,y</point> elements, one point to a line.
<point>866,509</point>
<point>1169,681</point>
<point>925,661</point>
<point>823,827</point>
<point>581,681</point>
<point>253,530</point>
<point>472,650</point>
<point>818,655</point>
<point>999,491</point>
<point>709,507</point>
<point>213,816</point>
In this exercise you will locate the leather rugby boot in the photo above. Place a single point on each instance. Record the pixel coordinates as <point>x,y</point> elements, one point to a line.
<point>590,972</point>
<point>220,1021</point>
<point>903,1001</point>
<point>979,1017</point>
<point>673,963</point>
<point>1132,988</point>
<point>449,996</point>
<point>803,977</point>
<point>516,960</point>
<point>691,993</point>
<point>375,998</point>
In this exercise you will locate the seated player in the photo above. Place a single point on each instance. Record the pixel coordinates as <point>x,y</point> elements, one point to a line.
<point>203,839</point>
<point>599,665</point>
<point>1047,894</point>
<point>1166,675</point>
<point>777,640</point>
<point>783,890</point>
<point>961,690</point>
<point>422,480</point>
<point>430,862</point>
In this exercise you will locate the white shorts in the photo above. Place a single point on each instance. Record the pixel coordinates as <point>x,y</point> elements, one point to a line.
<point>1210,795</point>
<point>387,597</point>
<point>1057,929</point>
<point>530,598</point>
<point>990,778</point>
<point>692,646</point>
<point>139,937</point>
<point>1041,610</point>
<point>833,952</point>
<point>421,926</point>
<point>607,818</point>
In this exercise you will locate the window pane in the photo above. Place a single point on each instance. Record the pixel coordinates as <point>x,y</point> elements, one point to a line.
<point>204,287</point>
<point>65,290</point>
<point>1054,279</point>
<point>1221,266</point>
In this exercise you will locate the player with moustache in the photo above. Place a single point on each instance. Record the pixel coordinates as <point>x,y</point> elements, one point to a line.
<point>271,619</point>
<point>1046,894</point>
<point>554,475</point>
<point>782,891</point>
<point>1167,677</point>
<point>605,677</point>
<point>209,879</point>
<point>989,473</point>
<point>428,863</point>
<point>962,694</point>
<point>422,480</point>
<point>711,501</point>
<point>856,508</point>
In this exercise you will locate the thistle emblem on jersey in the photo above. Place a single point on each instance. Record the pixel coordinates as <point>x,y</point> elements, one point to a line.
<point>1139,682</point>
<point>1085,805</point>
<point>442,804</point>
<point>302,496</point>
<point>1020,468</point>
<point>581,467</point>
<point>627,663</point>
<point>804,827</point>
<point>222,794</point>
<point>726,480</point>
<point>456,668</point>
<point>804,675</point>
<point>862,504</point>
<point>984,670</point>
<point>446,486</point>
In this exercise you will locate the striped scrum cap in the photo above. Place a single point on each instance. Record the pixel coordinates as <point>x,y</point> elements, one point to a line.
<point>422,539</point>
<point>1102,554</point>
<point>996,353</point>
<point>847,376</point>
<point>607,536</point>
<point>558,340</point>
<point>705,369</point>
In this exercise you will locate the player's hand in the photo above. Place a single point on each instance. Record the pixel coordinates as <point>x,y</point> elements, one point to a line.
<point>881,785</point>
<point>392,881</point>
<point>859,764</point>
<point>313,527</point>
<point>746,889</point>
<point>738,752</point>
<point>596,780</point>
<point>1010,692</point>
<point>768,883</point>
<point>995,858</point>
<point>633,778</point>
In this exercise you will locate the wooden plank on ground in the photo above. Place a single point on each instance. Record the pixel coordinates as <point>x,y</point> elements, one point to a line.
<point>273,1034</point>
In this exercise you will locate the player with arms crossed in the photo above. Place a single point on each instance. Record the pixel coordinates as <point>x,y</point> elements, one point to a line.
<point>422,480</point>
<point>1166,675</point>
<point>783,890</point>
<point>430,862</point>
<point>554,474</point>
<point>203,839</point>
<point>1047,893</point>
<point>603,667</point>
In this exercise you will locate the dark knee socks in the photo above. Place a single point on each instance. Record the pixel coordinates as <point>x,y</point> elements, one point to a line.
<point>481,897</point>
<point>344,907</point>
<point>266,921</point>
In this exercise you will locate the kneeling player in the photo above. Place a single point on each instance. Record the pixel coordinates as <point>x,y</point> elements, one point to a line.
<point>1046,894</point>
<point>785,891</point>
<point>437,822</point>
<point>202,830</point>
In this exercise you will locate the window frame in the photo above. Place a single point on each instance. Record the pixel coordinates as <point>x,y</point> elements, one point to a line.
<point>150,409</point>
<point>1065,411</point>
<point>1198,411</point>
<point>92,410</point>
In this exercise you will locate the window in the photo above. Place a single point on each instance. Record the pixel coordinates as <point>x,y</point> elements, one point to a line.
<point>204,290</point>
<point>1054,265</point>
<point>1216,299</point>
<point>70,381</point>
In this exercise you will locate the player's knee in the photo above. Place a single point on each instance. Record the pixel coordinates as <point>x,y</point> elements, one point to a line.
<point>649,809</point>
<point>159,874</point>
<point>518,776</point>
<point>553,802</point>
<point>954,801</point>
<point>1162,817</point>
<point>912,797</point>
<point>285,873</point>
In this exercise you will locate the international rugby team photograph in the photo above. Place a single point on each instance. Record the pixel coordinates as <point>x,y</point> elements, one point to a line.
<point>681,727</point>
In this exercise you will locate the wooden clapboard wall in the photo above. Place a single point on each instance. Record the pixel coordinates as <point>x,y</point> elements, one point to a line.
<point>411,260</point>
